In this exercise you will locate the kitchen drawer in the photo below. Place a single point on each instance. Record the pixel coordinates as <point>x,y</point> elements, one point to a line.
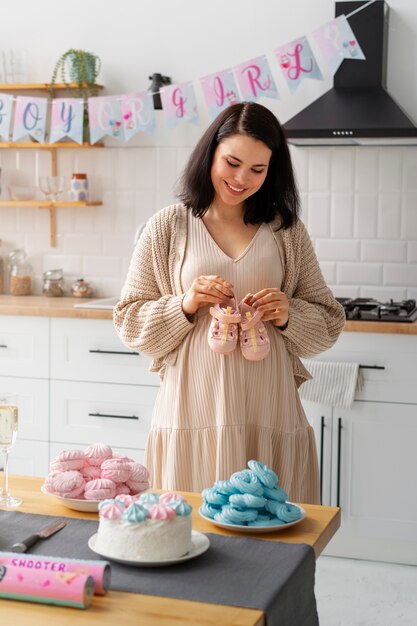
<point>33,402</point>
<point>55,449</point>
<point>90,350</point>
<point>119,415</point>
<point>389,372</point>
<point>28,458</point>
<point>24,346</point>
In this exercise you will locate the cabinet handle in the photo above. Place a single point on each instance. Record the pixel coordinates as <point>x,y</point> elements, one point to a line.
<point>3,345</point>
<point>323,426</point>
<point>372,367</point>
<point>339,440</point>
<point>122,417</point>
<point>112,352</point>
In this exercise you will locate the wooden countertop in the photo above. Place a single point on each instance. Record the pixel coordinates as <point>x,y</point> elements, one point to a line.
<point>42,306</point>
<point>131,609</point>
<point>64,307</point>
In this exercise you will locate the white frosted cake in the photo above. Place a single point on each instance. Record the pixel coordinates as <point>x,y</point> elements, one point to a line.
<point>147,528</point>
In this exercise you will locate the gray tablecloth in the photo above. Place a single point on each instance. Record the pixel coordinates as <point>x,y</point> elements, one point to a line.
<point>275,577</point>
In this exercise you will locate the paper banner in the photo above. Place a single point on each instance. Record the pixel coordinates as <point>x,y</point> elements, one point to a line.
<point>179,105</point>
<point>220,91</point>
<point>297,61</point>
<point>30,118</point>
<point>255,79</point>
<point>6,105</point>
<point>337,42</point>
<point>67,119</point>
<point>105,117</point>
<point>137,113</point>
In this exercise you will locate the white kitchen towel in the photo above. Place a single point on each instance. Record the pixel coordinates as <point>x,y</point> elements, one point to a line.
<point>334,384</point>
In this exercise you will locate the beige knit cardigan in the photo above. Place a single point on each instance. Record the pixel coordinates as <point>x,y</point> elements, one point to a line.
<point>149,317</point>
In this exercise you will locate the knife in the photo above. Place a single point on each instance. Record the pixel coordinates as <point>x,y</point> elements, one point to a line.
<point>24,545</point>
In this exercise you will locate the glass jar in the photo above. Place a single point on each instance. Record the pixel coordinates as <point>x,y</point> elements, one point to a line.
<point>53,283</point>
<point>79,188</point>
<point>20,283</point>
<point>81,289</point>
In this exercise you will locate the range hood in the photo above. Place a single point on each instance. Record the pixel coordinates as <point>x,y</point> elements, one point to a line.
<point>357,110</point>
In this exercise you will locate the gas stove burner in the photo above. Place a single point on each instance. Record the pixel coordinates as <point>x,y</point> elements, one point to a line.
<point>368,309</point>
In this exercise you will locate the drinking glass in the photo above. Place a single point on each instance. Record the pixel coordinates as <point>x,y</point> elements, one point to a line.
<point>52,186</point>
<point>8,432</point>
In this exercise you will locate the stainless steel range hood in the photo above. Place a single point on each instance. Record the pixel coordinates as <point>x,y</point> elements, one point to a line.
<point>358,109</point>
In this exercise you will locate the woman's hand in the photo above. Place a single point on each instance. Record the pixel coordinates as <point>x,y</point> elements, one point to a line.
<point>273,303</point>
<point>206,290</point>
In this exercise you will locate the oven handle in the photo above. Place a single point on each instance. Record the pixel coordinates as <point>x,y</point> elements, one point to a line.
<point>372,367</point>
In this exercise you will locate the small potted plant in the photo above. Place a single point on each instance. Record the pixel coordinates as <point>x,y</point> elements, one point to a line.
<point>82,68</point>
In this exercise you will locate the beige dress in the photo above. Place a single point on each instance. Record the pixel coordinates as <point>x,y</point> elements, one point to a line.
<point>214,412</point>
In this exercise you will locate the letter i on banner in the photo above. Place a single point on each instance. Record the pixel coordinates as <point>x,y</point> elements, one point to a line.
<point>30,118</point>
<point>297,61</point>
<point>255,79</point>
<point>138,114</point>
<point>6,104</point>
<point>178,104</point>
<point>220,91</point>
<point>337,42</point>
<point>67,119</point>
<point>105,117</point>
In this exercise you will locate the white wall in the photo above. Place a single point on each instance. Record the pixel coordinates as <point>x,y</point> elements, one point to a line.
<point>360,204</point>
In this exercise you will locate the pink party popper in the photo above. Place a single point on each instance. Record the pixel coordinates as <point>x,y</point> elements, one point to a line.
<point>46,587</point>
<point>98,570</point>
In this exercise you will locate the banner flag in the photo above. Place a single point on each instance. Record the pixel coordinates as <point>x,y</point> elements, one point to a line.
<point>67,119</point>
<point>220,91</point>
<point>179,104</point>
<point>105,117</point>
<point>255,79</point>
<point>30,118</point>
<point>337,42</point>
<point>297,61</point>
<point>6,104</point>
<point>138,113</point>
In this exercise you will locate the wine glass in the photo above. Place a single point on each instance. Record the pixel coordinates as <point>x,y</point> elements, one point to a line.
<point>52,186</point>
<point>8,432</point>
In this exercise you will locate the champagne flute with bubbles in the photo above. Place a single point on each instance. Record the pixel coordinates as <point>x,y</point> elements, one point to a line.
<point>8,431</point>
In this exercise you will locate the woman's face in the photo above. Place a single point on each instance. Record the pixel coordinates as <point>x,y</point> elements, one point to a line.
<point>239,168</point>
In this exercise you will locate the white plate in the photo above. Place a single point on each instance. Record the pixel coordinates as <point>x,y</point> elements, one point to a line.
<point>200,543</point>
<point>256,529</point>
<point>88,506</point>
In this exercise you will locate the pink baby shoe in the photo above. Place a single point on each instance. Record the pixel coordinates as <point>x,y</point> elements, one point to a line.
<point>254,340</point>
<point>223,331</point>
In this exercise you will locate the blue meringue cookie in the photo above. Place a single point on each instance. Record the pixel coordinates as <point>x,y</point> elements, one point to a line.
<point>134,513</point>
<point>230,515</point>
<point>212,496</point>
<point>246,482</point>
<point>247,500</point>
<point>181,507</point>
<point>264,474</point>
<point>276,493</point>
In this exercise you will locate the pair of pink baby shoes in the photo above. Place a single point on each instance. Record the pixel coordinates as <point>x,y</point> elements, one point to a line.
<point>231,322</point>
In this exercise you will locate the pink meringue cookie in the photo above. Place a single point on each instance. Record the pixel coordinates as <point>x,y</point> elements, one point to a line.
<point>122,489</point>
<point>90,472</point>
<point>118,470</point>
<point>68,484</point>
<point>97,453</point>
<point>161,512</point>
<point>138,479</point>
<point>49,481</point>
<point>116,455</point>
<point>111,511</point>
<point>68,460</point>
<point>99,489</point>
<point>126,499</point>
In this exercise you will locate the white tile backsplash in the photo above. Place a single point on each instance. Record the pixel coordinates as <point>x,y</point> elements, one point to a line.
<point>359,205</point>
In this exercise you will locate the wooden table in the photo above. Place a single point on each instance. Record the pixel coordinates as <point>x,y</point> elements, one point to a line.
<point>131,609</point>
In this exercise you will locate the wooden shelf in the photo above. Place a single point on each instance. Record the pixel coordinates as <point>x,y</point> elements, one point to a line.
<point>46,204</point>
<point>39,86</point>
<point>34,145</point>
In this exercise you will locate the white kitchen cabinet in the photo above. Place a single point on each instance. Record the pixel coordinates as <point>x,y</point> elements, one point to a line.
<point>84,412</point>
<point>24,371</point>
<point>368,463</point>
<point>76,384</point>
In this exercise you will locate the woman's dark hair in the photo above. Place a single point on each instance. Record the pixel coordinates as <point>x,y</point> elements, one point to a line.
<point>278,194</point>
